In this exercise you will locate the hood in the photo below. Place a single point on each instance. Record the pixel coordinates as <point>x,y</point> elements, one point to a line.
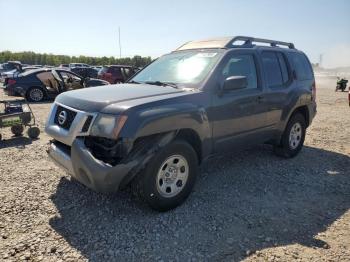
<point>95,99</point>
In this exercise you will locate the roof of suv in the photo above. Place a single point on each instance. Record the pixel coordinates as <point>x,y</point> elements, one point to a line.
<point>231,42</point>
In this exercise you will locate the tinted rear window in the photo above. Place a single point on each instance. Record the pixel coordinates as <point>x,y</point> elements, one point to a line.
<point>272,69</point>
<point>302,67</point>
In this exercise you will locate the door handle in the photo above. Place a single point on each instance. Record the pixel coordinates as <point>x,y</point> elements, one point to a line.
<point>260,99</point>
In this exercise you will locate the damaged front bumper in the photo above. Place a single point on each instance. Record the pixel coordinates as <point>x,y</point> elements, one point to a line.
<point>78,161</point>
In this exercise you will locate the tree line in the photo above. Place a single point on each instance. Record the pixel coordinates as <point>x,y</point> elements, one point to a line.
<point>33,58</point>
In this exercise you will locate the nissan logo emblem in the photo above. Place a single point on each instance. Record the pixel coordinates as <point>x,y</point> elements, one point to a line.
<point>62,117</point>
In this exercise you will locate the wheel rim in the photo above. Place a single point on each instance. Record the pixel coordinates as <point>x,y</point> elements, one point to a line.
<point>172,176</point>
<point>295,136</point>
<point>36,94</point>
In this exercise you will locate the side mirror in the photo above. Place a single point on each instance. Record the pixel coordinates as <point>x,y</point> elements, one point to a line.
<point>235,82</point>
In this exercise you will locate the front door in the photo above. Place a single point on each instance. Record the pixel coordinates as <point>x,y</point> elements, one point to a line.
<point>239,116</point>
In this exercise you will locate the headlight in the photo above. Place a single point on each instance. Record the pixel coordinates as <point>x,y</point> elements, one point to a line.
<point>108,126</point>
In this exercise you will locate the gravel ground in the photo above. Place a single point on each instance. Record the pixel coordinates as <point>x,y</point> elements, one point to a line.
<point>248,205</point>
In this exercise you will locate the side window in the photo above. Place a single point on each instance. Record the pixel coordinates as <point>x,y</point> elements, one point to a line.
<point>272,68</point>
<point>302,67</point>
<point>116,72</point>
<point>127,71</point>
<point>284,68</point>
<point>242,65</point>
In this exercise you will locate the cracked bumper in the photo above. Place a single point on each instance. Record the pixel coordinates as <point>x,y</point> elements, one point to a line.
<point>84,167</point>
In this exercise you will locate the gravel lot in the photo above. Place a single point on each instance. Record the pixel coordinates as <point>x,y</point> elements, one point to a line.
<point>249,205</point>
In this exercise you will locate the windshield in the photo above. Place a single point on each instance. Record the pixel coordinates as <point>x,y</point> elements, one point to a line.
<point>182,68</point>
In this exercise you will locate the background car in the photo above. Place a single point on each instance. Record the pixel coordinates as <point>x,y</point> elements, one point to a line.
<point>40,84</point>
<point>73,65</point>
<point>16,72</point>
<point>115,74</point>
<point>9,66</point>
<point>85,72</point>
<point>97,68</point>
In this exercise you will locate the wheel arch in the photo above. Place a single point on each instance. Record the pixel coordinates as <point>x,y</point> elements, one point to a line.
<point>36,86</point>
<point>192,138</point>
<point>304,111</point>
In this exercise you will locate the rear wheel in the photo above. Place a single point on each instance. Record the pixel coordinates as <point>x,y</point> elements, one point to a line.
<point>293,137</point>
<point>17,130</point>
<point>35,94</point>
<point>169,177</point>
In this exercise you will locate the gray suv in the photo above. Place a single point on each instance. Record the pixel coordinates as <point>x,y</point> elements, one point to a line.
<point>204,98</point>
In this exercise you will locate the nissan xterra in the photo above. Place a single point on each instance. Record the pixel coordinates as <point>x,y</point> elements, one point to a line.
<point>204,98</point>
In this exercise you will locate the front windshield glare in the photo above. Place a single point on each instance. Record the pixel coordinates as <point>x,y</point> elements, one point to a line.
<point>189,67</point>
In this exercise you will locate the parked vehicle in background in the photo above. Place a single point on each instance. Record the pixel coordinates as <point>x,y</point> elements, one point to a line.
<point>9,66</point>
<point>16,72</point>
<point>85,72</point>
<point>204,98</point>
<point>115,74</point>
<point>64,65</point>
<point>97,68</point>
<point>37,85</point>
<point>73,65</point>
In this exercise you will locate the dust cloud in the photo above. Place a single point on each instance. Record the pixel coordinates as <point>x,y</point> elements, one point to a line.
<point>337,56</point>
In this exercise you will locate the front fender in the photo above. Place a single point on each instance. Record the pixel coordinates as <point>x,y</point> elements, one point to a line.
<point>166,118</point>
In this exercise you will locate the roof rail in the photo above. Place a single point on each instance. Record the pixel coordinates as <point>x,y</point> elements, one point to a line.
<point>248,41</point>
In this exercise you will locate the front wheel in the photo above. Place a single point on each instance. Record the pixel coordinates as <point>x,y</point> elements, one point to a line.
<point>169,176</point>
<point>293,137</point>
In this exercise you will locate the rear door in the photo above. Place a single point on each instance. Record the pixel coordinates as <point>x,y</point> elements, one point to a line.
<point>239,116</point>
<point>279,85</point>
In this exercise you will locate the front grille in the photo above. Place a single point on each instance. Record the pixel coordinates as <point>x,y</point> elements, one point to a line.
<point>64,120</point>
<point>87,124</point>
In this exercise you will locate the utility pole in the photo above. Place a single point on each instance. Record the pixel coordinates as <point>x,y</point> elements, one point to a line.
<point>120,46</point>
<point>321,60</point>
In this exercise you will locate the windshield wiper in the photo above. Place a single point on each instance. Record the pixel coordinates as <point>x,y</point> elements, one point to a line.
<point>159,83</point>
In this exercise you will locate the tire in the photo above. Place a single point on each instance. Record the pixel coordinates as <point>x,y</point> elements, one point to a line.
<point>17,130</point>
<point>35,94</point>
<point>293,137</point>
<point>153,183</point>
<point>33,132</point>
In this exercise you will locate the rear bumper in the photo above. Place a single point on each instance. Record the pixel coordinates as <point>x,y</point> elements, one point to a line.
<point>13,91</point>
<point>83,166</point>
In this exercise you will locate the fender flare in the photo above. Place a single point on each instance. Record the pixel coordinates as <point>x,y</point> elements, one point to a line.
<point>167,118</point>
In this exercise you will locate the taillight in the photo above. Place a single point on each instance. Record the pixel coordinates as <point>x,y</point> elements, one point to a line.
<point>11,81</point>
<point>314,91</point>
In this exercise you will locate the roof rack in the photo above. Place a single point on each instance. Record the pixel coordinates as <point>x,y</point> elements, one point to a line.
<point>229,42</point>
<point>248,41</point>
